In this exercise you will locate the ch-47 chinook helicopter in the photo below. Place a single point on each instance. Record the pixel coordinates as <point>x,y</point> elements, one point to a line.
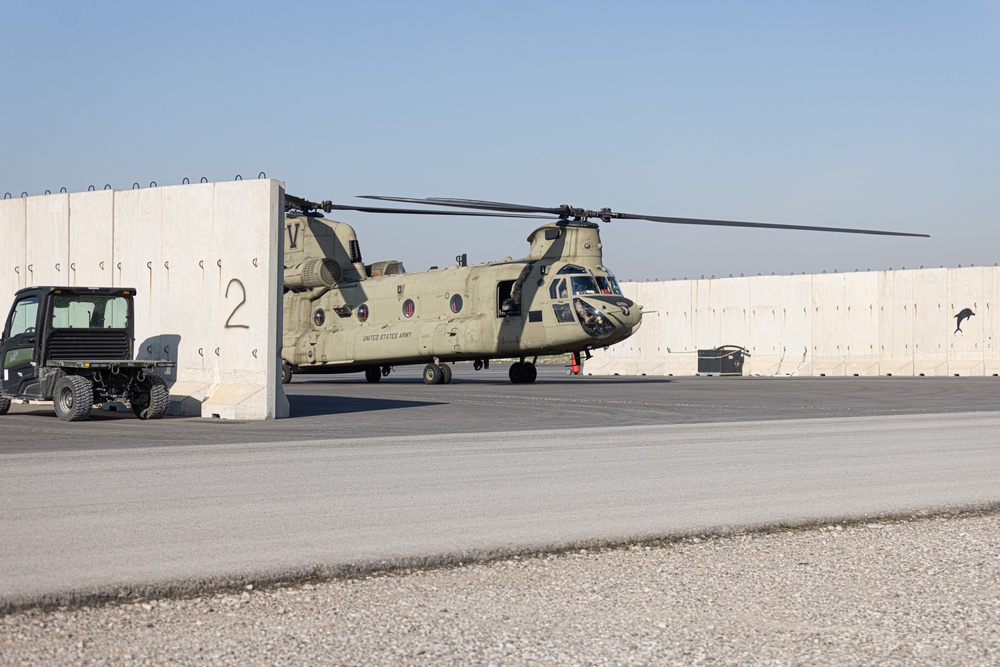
<point>342,315</point>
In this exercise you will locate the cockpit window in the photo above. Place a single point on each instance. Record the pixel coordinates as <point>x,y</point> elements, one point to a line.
<point>570,268</point>
<point>608,285</point>
<point>558,289</point>
<point>584,285</point>
<point>615,287</point>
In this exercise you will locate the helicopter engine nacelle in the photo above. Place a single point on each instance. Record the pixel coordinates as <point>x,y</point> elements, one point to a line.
<point>313,273</point>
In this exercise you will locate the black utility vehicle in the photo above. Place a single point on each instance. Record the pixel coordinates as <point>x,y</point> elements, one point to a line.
<point>73,346</point>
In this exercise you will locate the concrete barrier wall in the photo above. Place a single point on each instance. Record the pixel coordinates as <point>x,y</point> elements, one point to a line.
<point>206,261</point>
<point>841,324</point>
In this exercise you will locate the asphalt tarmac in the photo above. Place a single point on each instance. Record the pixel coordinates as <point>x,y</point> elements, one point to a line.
<point>369,476</point>
<point>346,406</point>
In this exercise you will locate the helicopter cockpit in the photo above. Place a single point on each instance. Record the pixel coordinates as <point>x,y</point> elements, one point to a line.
<point>576,281</point>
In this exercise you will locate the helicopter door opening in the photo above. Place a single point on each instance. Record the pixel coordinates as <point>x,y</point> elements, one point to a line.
<point>505,304</point>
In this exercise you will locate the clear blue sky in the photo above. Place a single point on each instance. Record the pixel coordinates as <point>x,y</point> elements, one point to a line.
<point>859,114</point>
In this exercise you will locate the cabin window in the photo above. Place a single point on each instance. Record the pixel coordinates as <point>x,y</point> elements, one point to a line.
<point>362,312</point>
<point>505,304</point>
<point>558,289</point>
<point>89,312</point>
<point>409,308</point>
<point>319,317</point>
<point>456,303</point>
<point>571,268</point>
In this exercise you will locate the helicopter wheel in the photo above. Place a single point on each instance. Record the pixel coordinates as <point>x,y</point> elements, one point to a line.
<point>373,374</point>
<point>445,374</point>
<point>286,372</point>
<point>531,373</point>
<point>517,373</point>
<point>433,374</point>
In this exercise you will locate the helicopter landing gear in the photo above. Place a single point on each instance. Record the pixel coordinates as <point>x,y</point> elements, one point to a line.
<point>373,374</point>
<point>437,374</point>
<point>522,372</point>
<point>286,372</point>
<point>480,364</point>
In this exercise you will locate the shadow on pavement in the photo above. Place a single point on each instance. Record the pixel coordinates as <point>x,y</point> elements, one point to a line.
<point>314,406</point>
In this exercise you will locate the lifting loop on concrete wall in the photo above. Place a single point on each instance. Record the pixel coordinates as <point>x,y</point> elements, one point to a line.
<point>149,265</point>
<point>238,177</point>
<point>135,186</point>
<point>255,262</point>
<point>57,268</point>
<point>91,188</point>
<point>261,175</point>
<point>152,184</point>
<point>72,267</point>
<point>186,181</point>
<point>7,195</point>
<point>107,186</point>
<point>166,265</point>
<point>24,194</point>
<point>48,192</point>
<point>62,189</point>
<point>204,180</point>
<point>101,265</point>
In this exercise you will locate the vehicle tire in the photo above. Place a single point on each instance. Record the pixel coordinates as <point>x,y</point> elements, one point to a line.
<point>373,374</point>
<point>517,372</point>
<point>445,374</point>
<point>4,405</point>
<point>286,372</point>
<point>153,400</point>
<point>432,374</point>
<point>530,373</point>
<point>73,398</point>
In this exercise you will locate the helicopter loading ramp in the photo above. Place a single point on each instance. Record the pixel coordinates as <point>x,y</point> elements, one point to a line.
<point>205,260</point>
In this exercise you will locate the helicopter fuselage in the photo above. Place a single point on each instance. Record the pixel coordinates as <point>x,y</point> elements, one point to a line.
<point>341,315</point>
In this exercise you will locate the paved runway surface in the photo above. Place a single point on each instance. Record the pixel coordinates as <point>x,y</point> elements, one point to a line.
<point>399,472</point>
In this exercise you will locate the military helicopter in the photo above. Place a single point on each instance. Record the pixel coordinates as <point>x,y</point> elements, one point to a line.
<point>342,315</point>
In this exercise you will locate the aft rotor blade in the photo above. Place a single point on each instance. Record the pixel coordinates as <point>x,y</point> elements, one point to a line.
<point>473,203</point>
<point>757,225</point>
<point>421,211</point>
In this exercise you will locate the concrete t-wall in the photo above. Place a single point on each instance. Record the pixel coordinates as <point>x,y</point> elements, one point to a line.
<point>840,324</point>
<point>206,261</point>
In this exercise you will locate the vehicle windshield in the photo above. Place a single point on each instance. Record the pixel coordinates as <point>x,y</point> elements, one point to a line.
<point>71,311</point>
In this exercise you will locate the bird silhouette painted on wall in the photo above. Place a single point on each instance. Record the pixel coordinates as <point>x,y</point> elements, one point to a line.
<point>965,314</point>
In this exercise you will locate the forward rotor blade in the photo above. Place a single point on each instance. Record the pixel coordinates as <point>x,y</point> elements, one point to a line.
<point>607,215</point>
<point>759,225</point>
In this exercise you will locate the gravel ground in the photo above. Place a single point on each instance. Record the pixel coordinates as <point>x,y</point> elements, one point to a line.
<point>919,591</point>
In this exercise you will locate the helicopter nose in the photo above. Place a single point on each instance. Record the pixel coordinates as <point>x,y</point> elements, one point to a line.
<point>631,313</point>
